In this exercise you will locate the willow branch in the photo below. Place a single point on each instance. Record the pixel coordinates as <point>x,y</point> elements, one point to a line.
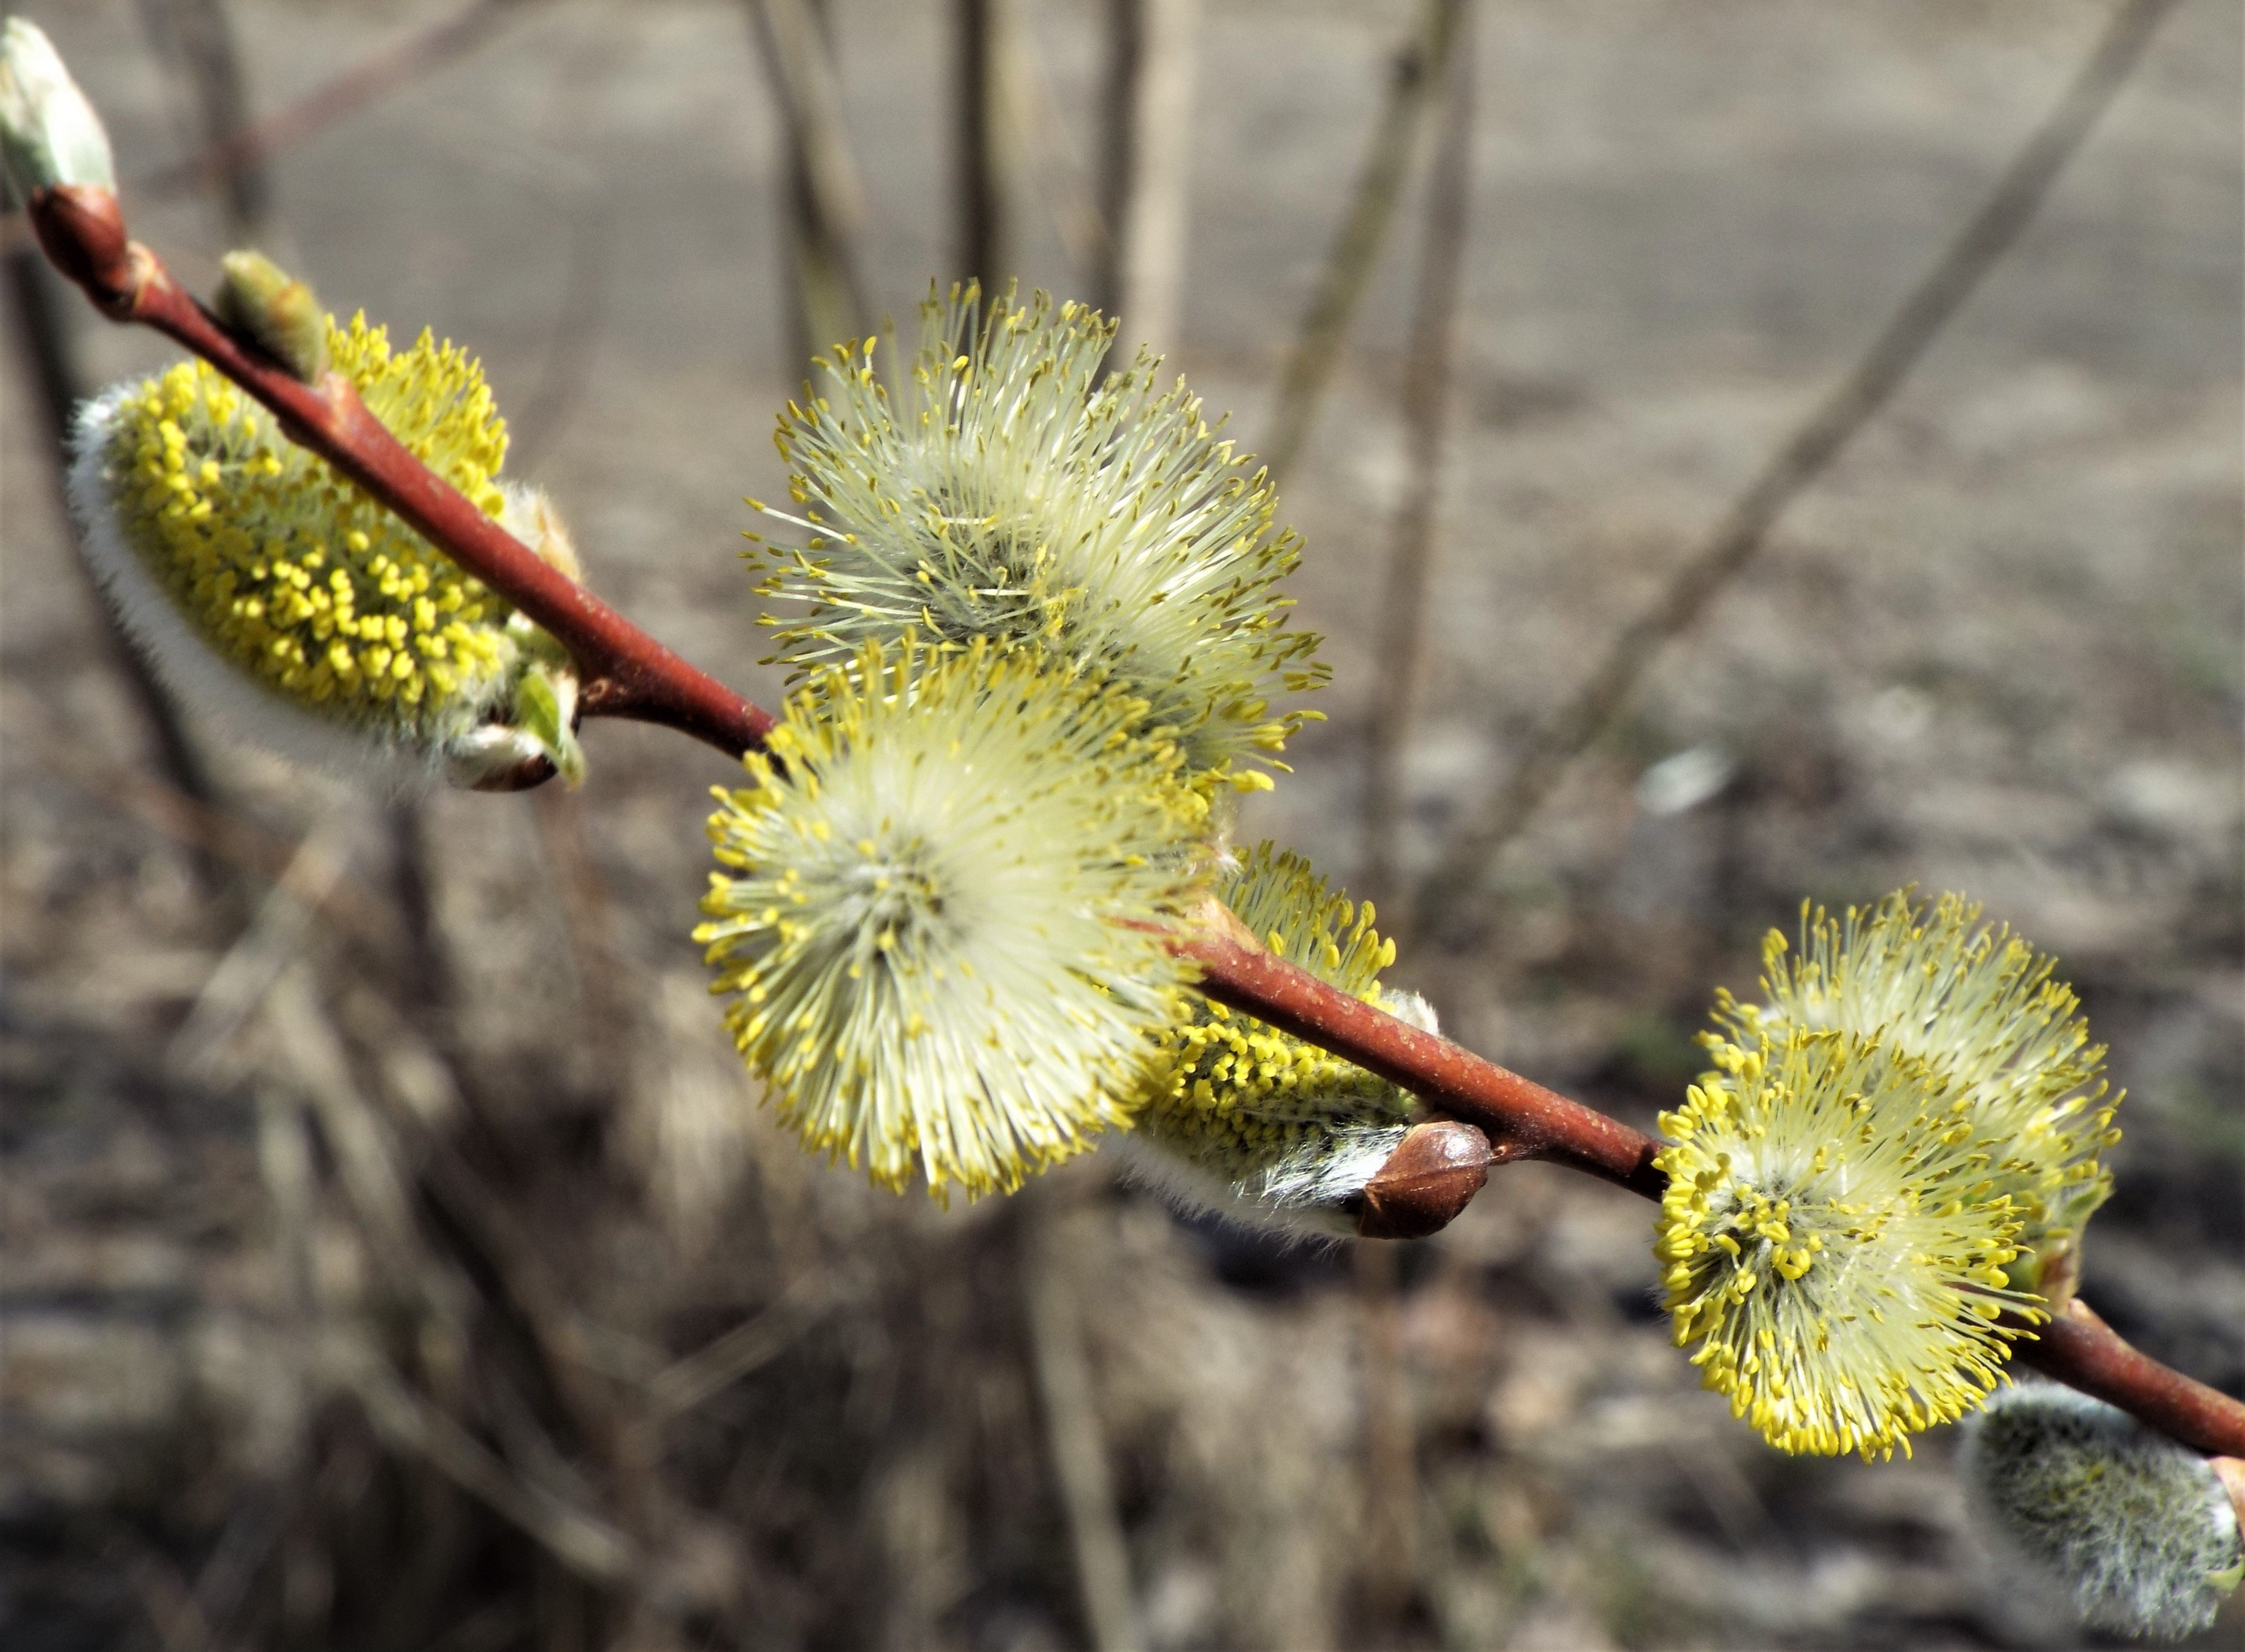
<point>1521,1118</point>
<point>625,672</point>
<point>2081,1351</point>
<point>628,673</point>
<point>1416,70</point>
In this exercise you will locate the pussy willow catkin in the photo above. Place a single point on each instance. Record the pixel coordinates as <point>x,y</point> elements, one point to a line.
<point>299,611</point>
<point>999,489</point>
<point>941,907</point>
<point>1834,1245</point>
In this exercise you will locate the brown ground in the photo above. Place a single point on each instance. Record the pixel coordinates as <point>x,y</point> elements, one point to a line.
<point>507,1154</point>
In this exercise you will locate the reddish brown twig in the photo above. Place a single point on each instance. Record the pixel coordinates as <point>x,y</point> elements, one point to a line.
<point>2081,1351</point>
<point>1520,1119</point>
<point>626,672</point>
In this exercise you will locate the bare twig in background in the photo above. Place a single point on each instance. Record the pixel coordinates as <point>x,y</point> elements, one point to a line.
<point>1425,414</point>
<point>1148,168</point>
<point>163,808</point>
<point>1387,1574</point>
<point>43,337</point>
<point>164,1595</point>
<point>826,192</point>
<point>331,101</point>
<point>571,348</point>
<point>374,1177</point>
<point>427,985</point>
<point>1055,160</point>
<point>1072,1426</point>
<point>607,999</point>
<point>196,40</point>
<point>686,1383</point>
<point>247,150</point>
<point>979,141</point>
<point>275,935</point>
<point>581,1541</point>
<point>1415,73</point>
<point>1745,527</point>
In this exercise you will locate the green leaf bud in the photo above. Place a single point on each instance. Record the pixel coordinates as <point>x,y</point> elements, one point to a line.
<point>276,309</point>
<point>48,134</point>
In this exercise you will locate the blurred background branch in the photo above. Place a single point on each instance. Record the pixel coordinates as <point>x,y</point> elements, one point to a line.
<point>1450,895</point>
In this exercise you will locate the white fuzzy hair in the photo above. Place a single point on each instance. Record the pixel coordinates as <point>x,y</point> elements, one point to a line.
<point>1306,1194</point>
<point>1308,1191</point>
<point>2137,1531</point>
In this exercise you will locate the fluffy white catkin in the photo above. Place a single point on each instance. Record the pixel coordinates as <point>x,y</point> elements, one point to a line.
<point>2137,1531</point>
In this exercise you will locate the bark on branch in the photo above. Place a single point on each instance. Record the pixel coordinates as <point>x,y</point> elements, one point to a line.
<point>627,674</point>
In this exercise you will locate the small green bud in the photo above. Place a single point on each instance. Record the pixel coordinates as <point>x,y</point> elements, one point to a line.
<point>278,310</point>
<point>48,134</point>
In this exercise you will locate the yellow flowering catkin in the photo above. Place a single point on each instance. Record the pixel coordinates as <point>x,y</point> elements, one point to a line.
<point>1001,488</point>
<point>1834,1242</point>
<point>1979,1004</point>
<point>212,530</point>
<point>942,911</point>
<point>1235,1114</point>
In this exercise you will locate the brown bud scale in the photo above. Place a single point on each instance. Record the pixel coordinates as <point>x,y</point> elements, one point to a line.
<point>1427,1179</point>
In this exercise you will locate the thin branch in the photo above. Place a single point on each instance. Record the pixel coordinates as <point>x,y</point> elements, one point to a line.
<point>581,1541</point>
<point>241,843</point>
<point>1416,70</point>
<point>1072,1429</point>
<point>1521,1118</point>
<point>1387,1563</point>
<point>749,1345</point>
<point>1056,162</point>
<point>198,39</point>
<point>1425,417</point>
<point>238,987</point>
<point>1807,454</point>
<point>631,674</point>
<point>627,673</point>
<point>326,104</point>
<point>2081,1351</point>
<point>330,101</point>
<point>827,211</point>
<point>43,337</point>
<point>1148,168</point>
<point>978,153</point>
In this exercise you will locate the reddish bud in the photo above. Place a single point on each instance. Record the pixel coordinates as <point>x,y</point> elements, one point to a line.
<point>1427,1181</point>
<point>81,229</point>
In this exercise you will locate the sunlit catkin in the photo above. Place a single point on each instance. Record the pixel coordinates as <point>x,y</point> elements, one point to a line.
<point>999,489</point>
<point>1237,1116</point>
<point>941,911</point>
<point>1980,1005</point>
<point>1832,1243</point>
<point>269,591</point>
<point>2136,1532</point>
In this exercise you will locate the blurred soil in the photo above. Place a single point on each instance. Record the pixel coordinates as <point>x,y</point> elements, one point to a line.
<point>446,1183</point>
